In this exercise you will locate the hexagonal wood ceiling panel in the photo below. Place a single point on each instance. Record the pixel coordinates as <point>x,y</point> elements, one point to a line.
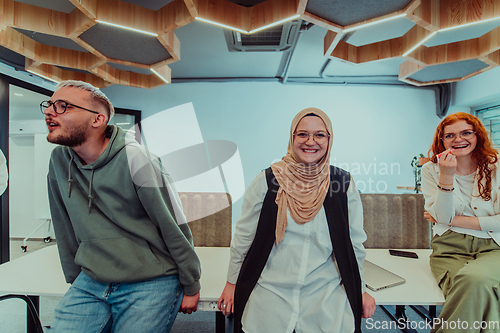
<point>131,42</point>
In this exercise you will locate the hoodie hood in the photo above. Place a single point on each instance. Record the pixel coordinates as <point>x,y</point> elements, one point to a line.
<point>117,137</point>
<point>116,143</point>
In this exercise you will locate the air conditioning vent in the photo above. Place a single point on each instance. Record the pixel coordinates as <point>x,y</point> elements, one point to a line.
<point>274,39</point>
<point>271,37</point>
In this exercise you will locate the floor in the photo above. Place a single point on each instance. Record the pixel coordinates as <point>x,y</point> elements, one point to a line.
<point>13,311</point>
<point>32,245</point>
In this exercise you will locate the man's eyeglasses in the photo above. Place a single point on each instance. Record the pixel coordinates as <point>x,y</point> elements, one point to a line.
<point>467,135</point>
<point>319,137</point>
<point>60,106</point>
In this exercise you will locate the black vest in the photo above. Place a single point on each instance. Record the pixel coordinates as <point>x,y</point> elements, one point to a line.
<point>336,210</point>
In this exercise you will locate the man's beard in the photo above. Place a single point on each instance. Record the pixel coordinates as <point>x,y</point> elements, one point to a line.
<point>77,135</point>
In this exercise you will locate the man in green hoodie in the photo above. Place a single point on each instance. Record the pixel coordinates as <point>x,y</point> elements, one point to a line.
<point>123,240</point>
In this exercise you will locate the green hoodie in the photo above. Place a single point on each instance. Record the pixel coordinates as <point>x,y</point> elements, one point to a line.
<point>119,219</point>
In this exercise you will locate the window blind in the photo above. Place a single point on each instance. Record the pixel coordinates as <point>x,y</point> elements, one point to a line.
<point>491,120</point>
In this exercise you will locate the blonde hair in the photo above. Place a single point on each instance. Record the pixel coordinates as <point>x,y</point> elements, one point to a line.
<point>96,95</point>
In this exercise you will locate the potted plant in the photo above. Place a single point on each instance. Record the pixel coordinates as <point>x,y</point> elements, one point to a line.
<point>416,164</point>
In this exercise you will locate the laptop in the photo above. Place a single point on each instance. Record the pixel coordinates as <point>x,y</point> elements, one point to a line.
<point>378,278</point>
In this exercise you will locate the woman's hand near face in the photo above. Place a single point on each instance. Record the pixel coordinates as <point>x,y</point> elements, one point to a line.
<point>447,166</point>
<point>447,162</point>
<point>226,299</point>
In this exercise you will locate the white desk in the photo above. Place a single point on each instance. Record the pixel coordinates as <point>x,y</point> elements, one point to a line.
<point>214,263</point>
<point>40,274</point>
<point>420,287</point>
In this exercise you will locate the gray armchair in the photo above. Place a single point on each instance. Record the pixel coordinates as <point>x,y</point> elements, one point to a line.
<point>209,217</point>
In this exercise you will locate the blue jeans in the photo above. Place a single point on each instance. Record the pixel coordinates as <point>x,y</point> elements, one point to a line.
<point>94,307</point>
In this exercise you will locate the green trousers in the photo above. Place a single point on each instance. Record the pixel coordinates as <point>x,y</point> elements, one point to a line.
<point>467,269</point>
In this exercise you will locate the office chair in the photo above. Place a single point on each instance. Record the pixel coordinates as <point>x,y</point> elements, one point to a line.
<point>209,217</point>
<point>33,324</point>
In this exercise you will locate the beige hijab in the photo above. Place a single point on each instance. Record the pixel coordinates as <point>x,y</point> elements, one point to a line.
<point>303,187</point>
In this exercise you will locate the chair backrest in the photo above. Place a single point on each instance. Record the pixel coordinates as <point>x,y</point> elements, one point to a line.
<point>209,217</point>
<point>395,221</point>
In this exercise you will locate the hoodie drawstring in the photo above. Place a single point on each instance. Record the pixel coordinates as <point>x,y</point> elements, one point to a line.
<point>90,189</point>
<point>70,180</point>
<point>70,183</point>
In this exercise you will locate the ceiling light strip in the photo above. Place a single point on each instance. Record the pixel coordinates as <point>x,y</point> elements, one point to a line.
<point>275,23</point>
<point>374,22</point>
<point>127,28</point>
<point>42,76</point>
<point>158,74</point>
<point>469,24</point>
<point>420,43</point>
<point>221,25</point>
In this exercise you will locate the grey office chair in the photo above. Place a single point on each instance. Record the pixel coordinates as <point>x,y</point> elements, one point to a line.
<point>33,319</point>
<point>209,217</point>
<point>395,221</point>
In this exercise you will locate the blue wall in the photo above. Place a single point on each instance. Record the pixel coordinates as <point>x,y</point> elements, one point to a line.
<point>377,129</point>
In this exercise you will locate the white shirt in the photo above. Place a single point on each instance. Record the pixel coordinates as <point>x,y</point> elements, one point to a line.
<point>300,279</point>
<point>443,206</point>
<point>4,175</point>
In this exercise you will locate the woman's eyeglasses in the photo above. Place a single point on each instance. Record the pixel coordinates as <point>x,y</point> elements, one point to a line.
<point>467,135</point>
<point>318,137</point>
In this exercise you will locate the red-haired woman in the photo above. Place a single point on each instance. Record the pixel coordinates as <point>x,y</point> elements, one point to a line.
<point>462,198</point>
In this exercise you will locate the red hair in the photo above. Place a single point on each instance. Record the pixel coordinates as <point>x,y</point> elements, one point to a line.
<point>484,154</point>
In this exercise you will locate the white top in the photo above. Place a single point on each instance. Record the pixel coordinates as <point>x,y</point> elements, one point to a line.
<point>443,206</point>
<point>4,175</point>
<point>466,186</point>
<point>300,278</point>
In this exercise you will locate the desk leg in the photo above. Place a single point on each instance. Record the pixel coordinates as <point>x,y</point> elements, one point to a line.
<point>397,314</point>
<point>428,315</point>
<point>31,325</point>
<point>220,322</point>
<point>432,311</point>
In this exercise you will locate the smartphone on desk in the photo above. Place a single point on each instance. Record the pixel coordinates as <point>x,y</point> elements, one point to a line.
<point>406,254</point>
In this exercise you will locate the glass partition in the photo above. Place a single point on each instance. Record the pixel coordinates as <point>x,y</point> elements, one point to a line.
<point>29,153</point>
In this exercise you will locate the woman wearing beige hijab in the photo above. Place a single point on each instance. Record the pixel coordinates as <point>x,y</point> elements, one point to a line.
<point>299,235</point>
